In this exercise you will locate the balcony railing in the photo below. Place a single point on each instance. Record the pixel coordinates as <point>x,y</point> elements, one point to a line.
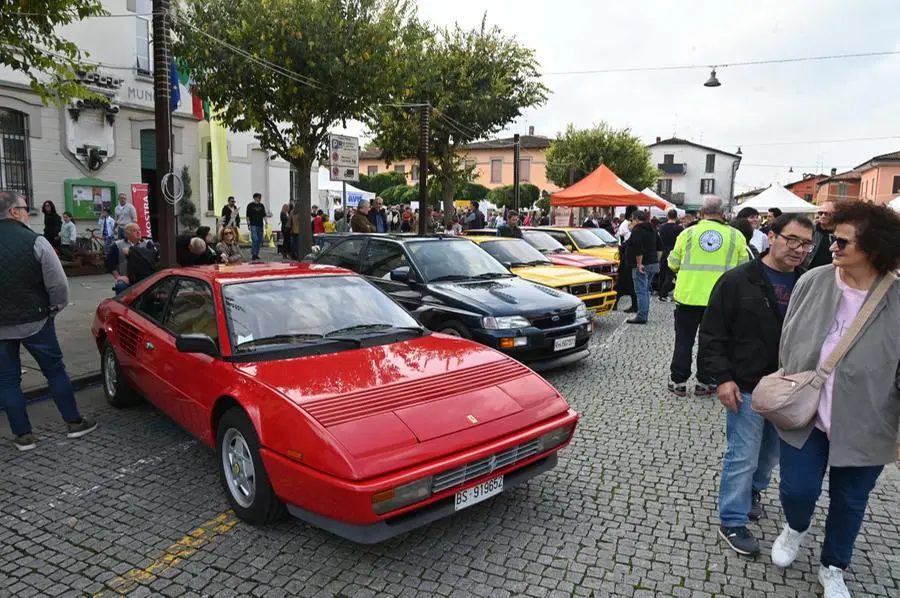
<point>673,168</point>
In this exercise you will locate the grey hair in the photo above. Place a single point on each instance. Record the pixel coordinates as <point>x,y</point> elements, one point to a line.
<point>363,203</point>
<point>713,206</point>
<point>8,200</point>
<point>198,245</point>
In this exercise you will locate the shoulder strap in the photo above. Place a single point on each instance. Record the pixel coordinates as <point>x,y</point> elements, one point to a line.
<point>858,322</point>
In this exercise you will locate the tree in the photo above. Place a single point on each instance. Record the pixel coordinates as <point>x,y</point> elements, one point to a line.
<point>186,209</point>
<point>476,81</point>
<point>583,150</point>
<point>290,70</point>
<point>503,197</point>
<point>31,44</point>
<point>381,181</point>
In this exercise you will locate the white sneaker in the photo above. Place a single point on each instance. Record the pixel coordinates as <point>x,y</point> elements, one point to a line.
<point>787,546</point>
<point>832,579</point>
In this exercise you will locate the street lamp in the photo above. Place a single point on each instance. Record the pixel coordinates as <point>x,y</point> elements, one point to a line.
<point>713,81</point>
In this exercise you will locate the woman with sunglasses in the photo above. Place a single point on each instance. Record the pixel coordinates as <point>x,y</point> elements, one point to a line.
<point>229,247</point>
<point>855,433</point>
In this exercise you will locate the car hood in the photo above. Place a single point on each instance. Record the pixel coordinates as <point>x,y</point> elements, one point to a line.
<point>503,296</point>
<point>577,261</point>
<point>606,253</point>
<point>558,276</point>
<point>407,400</point>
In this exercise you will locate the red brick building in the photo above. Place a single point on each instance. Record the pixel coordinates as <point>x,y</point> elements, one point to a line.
<point>805,188</point>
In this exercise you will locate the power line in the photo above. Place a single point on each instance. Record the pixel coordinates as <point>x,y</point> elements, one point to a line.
<point>845,140</point>
<point>685,67</point>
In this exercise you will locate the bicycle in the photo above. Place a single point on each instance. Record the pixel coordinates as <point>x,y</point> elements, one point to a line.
<point>95,242</point>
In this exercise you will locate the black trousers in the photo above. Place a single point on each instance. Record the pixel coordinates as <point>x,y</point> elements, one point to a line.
<point>687,323</point>
<point>666,276</point>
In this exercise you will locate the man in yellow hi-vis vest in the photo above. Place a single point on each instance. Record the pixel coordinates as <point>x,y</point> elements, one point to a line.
<point>702,253</point>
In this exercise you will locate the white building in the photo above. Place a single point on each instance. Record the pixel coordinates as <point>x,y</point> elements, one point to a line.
<point>92,152</point>
<point>689,172</point>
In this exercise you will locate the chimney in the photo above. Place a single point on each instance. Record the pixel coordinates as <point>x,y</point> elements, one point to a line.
<point>658,139</point>
<point>833,171</point>
<point>531,130</point>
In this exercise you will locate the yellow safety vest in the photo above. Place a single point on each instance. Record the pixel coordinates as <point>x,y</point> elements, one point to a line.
<point>701,255</point>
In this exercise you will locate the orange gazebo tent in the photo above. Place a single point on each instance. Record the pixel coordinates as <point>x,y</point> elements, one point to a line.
<point>603,189</point>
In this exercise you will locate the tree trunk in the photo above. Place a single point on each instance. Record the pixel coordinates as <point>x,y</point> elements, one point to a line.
<point>304,203</point>
<point>448,190</point>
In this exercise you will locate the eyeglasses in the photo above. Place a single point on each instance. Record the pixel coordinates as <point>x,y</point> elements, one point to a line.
<point>19,208</point>
<point>824,213</point>
<point>840,242</point>
<point>794,243</point>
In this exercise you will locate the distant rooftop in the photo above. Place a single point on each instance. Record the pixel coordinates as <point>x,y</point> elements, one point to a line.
<point>679,141</point>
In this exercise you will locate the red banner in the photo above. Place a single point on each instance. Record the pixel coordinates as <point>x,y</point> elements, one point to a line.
<point>139,193</point>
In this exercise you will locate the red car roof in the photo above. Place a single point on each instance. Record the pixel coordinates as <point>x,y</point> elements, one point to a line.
<point>224,273</point>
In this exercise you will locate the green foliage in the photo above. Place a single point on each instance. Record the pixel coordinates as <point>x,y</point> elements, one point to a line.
<point>528,195</point>
<point>33,45</point>
<point>543,203</point>
<point>503,197</point>
<point>392,195</point>
<point>586,149</point>
<point>187,211</point>
<point>467,190</point>
<point>477,82</point>
<point>381,181</point>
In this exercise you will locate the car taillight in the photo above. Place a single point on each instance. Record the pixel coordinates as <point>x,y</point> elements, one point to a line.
<point>401,496</point>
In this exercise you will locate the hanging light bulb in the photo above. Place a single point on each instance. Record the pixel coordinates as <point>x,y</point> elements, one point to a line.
<point>712,81</point>
<point>739,152</point>
<point>791,169</point>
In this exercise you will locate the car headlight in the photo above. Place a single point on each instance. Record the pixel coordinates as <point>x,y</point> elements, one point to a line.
<point>613,269</point>
<point>607,286</point>
<point>553,439</point>
<point>581,311</point>
<point>505,323</point>
<point>401,496</point>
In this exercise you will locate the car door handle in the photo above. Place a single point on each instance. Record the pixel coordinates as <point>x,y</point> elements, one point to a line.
<point>149,346</point>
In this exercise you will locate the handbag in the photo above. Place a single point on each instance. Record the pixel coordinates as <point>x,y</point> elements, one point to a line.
<point>791,401</point>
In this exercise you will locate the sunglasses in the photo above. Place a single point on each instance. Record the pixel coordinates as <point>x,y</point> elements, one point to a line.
<point>840,242</point>
<point>824,213</point>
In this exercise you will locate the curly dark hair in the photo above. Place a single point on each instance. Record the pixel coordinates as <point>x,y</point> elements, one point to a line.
<point>877,231</point>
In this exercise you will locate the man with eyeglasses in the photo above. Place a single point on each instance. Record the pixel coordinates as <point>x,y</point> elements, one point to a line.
<point>34,290</point>
<point>821,251</point>
<point>739,340</point>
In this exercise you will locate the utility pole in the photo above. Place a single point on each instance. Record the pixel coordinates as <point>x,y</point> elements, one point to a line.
<point>425,130</point>
<point>165,211</point>
<point>516,174</point>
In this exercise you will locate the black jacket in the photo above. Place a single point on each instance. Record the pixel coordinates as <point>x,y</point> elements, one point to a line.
<point>645,242</point>
<point>821,253</point>
<point>741,328</point>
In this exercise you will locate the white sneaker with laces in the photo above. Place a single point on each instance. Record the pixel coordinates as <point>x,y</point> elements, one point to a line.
<point>787,546</point>
<point>832,579</point>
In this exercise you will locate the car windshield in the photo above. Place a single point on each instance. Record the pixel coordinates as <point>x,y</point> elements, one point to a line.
<point>585,239</point>
<point>307,310</point>
<point>515,252</point>
<point>448,259</point>
<point>604,235</point>
<point>543,242</point>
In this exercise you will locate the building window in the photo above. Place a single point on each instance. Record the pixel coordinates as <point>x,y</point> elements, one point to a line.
<point>401,168</point>
<point>895,188</point>
<point>842,190</point>
<point>668,158</point>
<point>664,187</point>
<point>372,170</point>
<point>808,197</point>
<point>525,170</point>
<point>15,155</point>
<point>707,186</point>
<point>414,172</point>
<point>710,162</point>
<point>497,170</point>
<point>294,193</point>
<point>210,199</point>
<point>144,54</point>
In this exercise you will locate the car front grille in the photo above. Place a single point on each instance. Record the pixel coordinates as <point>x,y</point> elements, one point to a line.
<point>587,289</point>
<point>547,321</point>
<point>475,469</point>
<point>605,270</point>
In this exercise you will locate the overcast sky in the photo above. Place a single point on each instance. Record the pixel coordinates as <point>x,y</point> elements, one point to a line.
<point>755,107</point>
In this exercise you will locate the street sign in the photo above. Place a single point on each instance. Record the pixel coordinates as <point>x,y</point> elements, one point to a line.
<point>343,153</point>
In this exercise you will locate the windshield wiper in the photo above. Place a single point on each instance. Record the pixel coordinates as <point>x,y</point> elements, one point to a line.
<point>537,263</point>
<point>450,277</point>
<point>283,339</point>
<point>491,275</point>
<point>560,250</point>
<point>369,327</point>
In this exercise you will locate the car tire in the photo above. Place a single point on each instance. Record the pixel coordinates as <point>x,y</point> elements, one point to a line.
<point>454,328</point>
<point>116,389</point>
<point>251,496</point>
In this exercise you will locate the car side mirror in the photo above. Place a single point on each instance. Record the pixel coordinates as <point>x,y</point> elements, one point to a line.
<point>507,265</point>
<point>401,274</point>
<point>197,343</point>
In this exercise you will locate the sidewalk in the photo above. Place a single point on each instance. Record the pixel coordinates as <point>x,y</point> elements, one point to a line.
<point>73,328</point>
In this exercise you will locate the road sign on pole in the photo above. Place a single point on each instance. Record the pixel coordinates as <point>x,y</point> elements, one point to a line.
<point>343,152</point>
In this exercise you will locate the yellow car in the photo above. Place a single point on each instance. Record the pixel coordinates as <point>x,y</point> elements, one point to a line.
<point>596,290</point>
<point>585,240</point>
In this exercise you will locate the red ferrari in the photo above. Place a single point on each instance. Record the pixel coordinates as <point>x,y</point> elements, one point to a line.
<point>324,398</point>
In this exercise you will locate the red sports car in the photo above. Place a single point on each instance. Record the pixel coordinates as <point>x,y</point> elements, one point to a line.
<point>324,397</point>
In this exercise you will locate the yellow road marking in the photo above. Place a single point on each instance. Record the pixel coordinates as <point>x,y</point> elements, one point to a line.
<point>177,552</point>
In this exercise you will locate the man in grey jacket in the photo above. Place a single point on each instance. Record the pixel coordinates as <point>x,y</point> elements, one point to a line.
<point>34,290</point>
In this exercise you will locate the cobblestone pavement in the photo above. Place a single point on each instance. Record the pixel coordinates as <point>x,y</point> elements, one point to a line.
<point>630,511</point>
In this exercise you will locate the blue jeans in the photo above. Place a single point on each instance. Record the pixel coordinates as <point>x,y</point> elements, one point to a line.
<point>256,235</point>
<point>802,473</point>
<point>750,456</point>
<point>119,287</point>
<point>44,347</point>
<point>642,284</point>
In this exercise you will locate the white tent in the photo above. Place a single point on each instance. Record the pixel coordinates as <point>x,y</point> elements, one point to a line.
<point>894,204</point>
<point>330,193</point>
<point>777,196</point>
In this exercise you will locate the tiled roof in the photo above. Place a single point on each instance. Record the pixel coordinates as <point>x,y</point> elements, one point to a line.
<point>850,175</point>
<point>525,142</point>
<point>678,141</point>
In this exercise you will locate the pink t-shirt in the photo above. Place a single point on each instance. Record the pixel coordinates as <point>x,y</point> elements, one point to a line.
<point>851,302</point>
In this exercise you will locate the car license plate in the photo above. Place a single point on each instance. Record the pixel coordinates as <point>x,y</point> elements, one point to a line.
<point>561,344</point>
<point>476,494</point>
